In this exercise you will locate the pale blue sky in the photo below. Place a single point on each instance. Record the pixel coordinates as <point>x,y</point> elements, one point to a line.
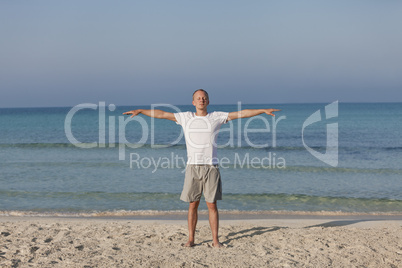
<point>63,53</point>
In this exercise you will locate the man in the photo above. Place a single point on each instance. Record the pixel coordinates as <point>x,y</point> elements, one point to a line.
<point>202,172</point>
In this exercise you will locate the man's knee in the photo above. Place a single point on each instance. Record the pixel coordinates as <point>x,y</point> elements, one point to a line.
<point>212,206</point>
<point>194,205</point>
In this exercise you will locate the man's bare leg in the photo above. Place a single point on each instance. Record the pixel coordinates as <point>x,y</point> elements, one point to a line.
<point>192,222</point>
<point>214,223</point>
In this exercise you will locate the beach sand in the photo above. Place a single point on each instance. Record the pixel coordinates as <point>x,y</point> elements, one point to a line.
<point>279,242</point>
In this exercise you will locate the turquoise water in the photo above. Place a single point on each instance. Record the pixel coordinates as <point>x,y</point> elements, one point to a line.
<point>43,171</point>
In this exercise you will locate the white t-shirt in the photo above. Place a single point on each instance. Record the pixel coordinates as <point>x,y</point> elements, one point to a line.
<point>201,133</point>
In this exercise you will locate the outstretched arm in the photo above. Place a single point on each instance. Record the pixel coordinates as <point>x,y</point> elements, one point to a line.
<point>250,113</point>
<point>152,113</point>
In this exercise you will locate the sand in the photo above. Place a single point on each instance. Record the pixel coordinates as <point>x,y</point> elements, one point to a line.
<point>111,242</point>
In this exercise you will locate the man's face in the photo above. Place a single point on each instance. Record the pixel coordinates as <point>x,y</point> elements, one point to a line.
<point>200,100</point>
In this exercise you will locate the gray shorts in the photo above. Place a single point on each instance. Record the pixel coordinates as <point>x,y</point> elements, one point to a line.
<point>202,178</point>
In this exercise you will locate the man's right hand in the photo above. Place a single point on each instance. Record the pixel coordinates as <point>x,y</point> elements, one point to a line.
<point>133,112</point>
<point>152,113</point>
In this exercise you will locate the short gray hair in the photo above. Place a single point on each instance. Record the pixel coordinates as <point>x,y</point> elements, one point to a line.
<point>206,93</point>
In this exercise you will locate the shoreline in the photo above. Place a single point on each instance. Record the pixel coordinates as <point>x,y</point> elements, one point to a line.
<point>203,215</point>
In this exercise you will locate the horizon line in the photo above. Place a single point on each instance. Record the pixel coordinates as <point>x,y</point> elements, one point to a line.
<point>213,104</point>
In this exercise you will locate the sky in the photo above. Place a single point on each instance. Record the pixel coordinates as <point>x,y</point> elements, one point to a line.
<point>64,53</point>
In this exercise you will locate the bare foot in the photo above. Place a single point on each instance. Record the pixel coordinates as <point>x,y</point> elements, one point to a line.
<point>189,244</point>
<point>218,245</point>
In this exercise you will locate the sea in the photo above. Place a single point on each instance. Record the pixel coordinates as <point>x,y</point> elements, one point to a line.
<point>92,160</point>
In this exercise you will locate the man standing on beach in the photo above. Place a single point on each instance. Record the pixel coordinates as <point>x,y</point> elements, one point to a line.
<point>202,172</point>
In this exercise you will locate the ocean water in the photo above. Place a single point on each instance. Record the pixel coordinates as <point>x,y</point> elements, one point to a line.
<point>91,159</point>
